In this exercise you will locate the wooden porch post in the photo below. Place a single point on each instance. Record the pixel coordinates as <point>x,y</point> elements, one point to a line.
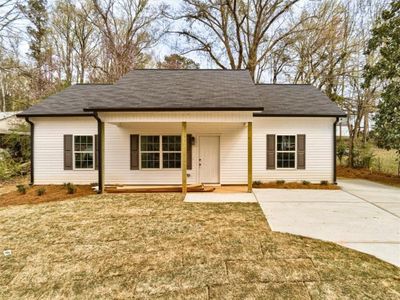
<point>184,158</point>
<point>250,157</point>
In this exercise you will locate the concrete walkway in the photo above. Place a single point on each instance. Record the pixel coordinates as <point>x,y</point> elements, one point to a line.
<point>363,216</point>
<point>220,197</point>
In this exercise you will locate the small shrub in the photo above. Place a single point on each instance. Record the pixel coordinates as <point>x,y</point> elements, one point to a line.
<point>305,182</point>
<point>280,181</point>
<point>342,150</point>
<point>41,191</point>
<point>71,188</point>
<point>257,183</point>
<point>9,167</point>
<point>363,155</point>
<point>324,182</point>
<point>21,189</point>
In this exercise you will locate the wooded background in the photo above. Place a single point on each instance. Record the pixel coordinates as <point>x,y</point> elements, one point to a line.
<point>335,45</point>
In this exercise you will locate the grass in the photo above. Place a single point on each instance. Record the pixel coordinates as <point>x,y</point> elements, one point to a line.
<point>156,246</point>
<point>385,161</point>
<point>296,185</point>
<point>36,195</point>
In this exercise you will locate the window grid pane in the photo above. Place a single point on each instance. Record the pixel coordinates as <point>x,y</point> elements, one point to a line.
<point>286,151</point>
<point>150,160</point>
<point>151,152</point>
<point>83,151</point>
<point>171,143</point>
<point>150,143</point>
<point>172,160</point>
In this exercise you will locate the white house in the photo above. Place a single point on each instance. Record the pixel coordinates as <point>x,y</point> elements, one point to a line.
<point>183,126</point>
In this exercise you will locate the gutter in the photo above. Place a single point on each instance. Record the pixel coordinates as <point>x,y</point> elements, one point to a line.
<point>22,115</point>
<point>32,148</point>
<point>334,150</point>
<point>100,152</point>
<point>260,115</point>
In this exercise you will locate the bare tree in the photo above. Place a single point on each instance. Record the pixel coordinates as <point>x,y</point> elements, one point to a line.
<point>127,30</point>
<point>62,25</point>
<point>235,34</point>
<point>9,13</point>
<point>86,43</point>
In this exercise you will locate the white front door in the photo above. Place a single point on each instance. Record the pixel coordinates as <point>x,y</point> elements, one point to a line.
<point>209,159</point>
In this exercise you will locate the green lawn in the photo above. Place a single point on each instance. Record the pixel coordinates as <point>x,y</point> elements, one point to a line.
<point>156,246</point>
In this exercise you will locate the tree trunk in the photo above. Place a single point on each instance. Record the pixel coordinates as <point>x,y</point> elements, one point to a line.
<point>3,93</point>
<point>366,127</point>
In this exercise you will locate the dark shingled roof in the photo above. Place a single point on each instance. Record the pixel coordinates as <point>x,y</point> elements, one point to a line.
<point>146,90</point>
<point>70,101</point>
<point>183,90</point>
<point>295,100</point>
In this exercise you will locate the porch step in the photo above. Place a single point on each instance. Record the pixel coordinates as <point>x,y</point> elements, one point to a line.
<point>157,189</point>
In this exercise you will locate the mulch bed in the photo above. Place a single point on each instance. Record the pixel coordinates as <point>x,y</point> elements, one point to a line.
<point>369,175</point>
<point>52,193</point>
<point>296,185</point>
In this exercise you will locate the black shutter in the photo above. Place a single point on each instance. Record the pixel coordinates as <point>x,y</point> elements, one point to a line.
<point>96,152</point>
<point>301,151</point>
<point>134,143</point>
<point>270,151</point>
<point>68,151</point>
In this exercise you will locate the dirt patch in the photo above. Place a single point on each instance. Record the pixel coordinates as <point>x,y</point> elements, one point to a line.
<point>147,246</point>
<point>369,175</point>
<point>296,185</point>
<point>7,186</point>
<point>52,193</point>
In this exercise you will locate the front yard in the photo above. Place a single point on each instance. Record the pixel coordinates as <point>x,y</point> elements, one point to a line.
<point>155,245</point>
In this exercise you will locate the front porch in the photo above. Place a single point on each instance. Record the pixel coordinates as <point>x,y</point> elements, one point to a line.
<point>173,152</point>
<point>191,188</point>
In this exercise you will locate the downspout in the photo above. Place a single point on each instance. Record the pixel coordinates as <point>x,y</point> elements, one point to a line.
<point>100,152</point>
<point>32,148</point>
<point>334,150</point>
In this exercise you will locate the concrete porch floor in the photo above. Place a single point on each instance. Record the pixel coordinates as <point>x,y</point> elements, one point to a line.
<point>223,194</point>
<point>229,188</point>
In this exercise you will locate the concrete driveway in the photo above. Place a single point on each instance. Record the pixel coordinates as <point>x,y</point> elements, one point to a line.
<point>364,215</point>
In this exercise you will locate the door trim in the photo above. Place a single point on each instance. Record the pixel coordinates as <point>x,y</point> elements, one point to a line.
<point>219,157</point>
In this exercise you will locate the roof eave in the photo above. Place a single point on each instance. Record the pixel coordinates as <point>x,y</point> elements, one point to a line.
<point>338,115</point>
<point>25,115</point>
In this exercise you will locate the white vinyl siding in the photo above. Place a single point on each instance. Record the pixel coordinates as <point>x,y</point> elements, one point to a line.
<point>319,148</point>
<point>49,149</point>
<point>48,153</point>
<point>233,146</point>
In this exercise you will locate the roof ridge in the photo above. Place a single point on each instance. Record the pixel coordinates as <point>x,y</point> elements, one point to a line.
<point>283,84</point>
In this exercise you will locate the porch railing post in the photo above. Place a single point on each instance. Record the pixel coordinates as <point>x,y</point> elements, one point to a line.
<point>250,157</point>
<point>184,157</point>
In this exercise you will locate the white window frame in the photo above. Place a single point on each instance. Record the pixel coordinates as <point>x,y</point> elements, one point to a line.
<point>93,152</point>
<point>286,151</point>
<point>160,152</point>
<point>140,152</point>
